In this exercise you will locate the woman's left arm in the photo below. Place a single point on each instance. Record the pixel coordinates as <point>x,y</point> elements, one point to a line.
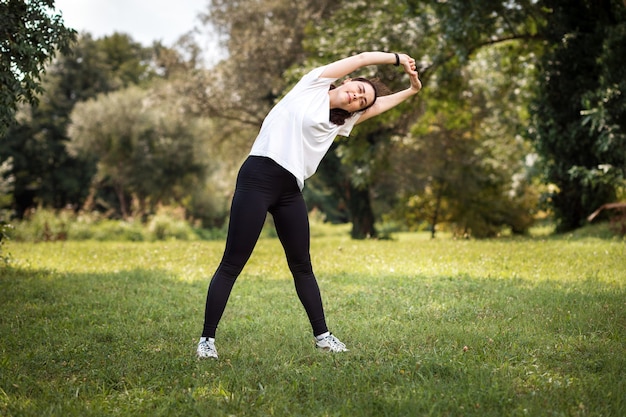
<point>384,103</point>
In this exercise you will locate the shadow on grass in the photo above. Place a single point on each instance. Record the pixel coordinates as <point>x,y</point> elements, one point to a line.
<point>123,343</point>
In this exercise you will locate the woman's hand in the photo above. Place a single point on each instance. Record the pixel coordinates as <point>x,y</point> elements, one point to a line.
<point>410,68</point>
<point>408,63</point>
<point>416,84</point>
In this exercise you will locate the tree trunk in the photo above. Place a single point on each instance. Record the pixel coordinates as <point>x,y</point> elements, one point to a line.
<point>436,214</point>
<point>361,213</point>
<point>357,199</point>
<point>119,190</point>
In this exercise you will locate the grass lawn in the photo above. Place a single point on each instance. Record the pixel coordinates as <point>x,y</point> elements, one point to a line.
<point>506,327</point>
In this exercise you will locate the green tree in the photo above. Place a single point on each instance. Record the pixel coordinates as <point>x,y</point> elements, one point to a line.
<point>264,43</point>
<point>580,108</point>
<point>467,152</point>
<point>45,174</point>
<point>263,40</point>
<point>30,36</point>
<point>146,150</point>
<point>355,27</point>
<point>6,191</point>
<point>445,37</point>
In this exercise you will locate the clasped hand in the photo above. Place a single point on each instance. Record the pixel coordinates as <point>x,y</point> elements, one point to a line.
<point>411,69</point>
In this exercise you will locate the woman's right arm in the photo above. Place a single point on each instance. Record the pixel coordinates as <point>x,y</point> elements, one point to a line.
<point>345,66</point>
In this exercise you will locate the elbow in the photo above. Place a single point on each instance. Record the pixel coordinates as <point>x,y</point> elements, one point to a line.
<point>365,59</point>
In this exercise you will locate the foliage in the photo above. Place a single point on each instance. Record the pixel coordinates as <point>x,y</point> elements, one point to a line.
<point>452,157</point>
<point>463,165</point>
<point>6,190</point>
<point>362,158</point>
<point>580,109</point>
<point>30,36</point>
<point>266,57</point>
<point>462,28</point>
<point>5,230</point>
<point>45,225</point>
<point>152,154</point>
<point>110,329</point>
<point>45,174</point>
<point>263,39</point>
<point>456,45</point>
<point>169,223</point>
<point>7,181</point>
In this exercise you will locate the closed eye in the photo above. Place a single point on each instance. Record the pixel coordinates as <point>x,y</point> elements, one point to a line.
<point>363,100</point>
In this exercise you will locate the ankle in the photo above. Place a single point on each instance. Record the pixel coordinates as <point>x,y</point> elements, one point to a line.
<point>323,335</point>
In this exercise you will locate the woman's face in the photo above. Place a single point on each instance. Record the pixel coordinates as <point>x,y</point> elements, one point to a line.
<point>354,96</point>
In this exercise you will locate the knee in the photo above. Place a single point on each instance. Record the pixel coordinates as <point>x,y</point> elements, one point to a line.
<point>229,271</point>
<point>300,266</point>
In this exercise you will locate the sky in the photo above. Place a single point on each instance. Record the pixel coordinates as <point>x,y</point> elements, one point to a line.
<point>144,20</point>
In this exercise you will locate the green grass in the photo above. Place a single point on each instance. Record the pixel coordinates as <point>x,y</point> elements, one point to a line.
<point>90,329</point>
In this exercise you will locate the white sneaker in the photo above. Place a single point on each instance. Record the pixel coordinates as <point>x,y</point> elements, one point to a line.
<point>330,344</point>
<point>206,349</point>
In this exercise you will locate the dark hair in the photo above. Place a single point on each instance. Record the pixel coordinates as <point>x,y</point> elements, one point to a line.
<point>339,116</point>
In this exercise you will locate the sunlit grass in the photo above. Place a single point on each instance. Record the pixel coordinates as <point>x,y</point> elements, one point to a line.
<point>514,326</point>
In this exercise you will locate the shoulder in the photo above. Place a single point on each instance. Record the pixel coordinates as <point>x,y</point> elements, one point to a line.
<point>317,74</point>
<point>312,81</point>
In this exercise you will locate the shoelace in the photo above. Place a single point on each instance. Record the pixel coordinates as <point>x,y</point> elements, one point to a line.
<point>334,342</point>
<point>205,347</point>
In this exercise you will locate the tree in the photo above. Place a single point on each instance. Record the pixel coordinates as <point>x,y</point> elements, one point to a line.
<point>6,187</point>
<point>266,38</point>
<point>580,108</point>
<point>45,174</point>
<point>354,27</point>
<point>467,153</point>
<point>264,41</point>
<point>146,150</point>
<point>445,36</point>
<point>30,36</point>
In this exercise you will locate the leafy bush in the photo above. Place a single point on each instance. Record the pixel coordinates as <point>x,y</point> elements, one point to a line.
<point>108,230</point>
<point>44,225</point>
<point>4,235</point>
<point>169,223</point>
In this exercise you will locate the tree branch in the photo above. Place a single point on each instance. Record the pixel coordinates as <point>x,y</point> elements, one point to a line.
<point>234,115</point>
<point>426,71</point>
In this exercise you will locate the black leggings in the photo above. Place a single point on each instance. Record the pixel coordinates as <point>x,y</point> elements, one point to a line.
<point>264,186</point>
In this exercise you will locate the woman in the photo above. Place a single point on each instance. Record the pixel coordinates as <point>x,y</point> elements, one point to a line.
<point>293,139</point>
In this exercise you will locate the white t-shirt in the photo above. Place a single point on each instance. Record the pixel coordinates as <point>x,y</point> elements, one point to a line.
<point>297,132</point>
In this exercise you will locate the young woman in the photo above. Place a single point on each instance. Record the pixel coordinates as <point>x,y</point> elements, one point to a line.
<point>293,139</point>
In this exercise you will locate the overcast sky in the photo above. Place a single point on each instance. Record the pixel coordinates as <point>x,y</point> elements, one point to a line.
<point>144,20</point>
